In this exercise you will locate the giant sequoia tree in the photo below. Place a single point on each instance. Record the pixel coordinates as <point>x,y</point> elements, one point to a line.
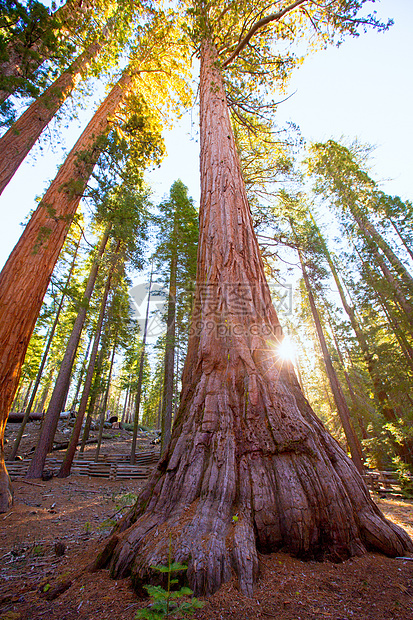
<point>148,82</point>
<point>245,442</point>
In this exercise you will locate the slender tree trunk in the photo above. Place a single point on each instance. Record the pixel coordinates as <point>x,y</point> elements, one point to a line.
<point>26,275</point>
<point>21,137</point>
<point>397,329</point>
<point>140,376</point>
<point>14,406</point>
<point>26,396</point>
<point>354,397</point>
<point>168,389</point>
<point>61,387</point>
<point>45,393</point>
<point>93,397</point>
<point>340,401</point>
<point>125,402</point>
<point>379,389</point>
<point>81,376</point>
<point>373,236</point>
<point>397,292</point>
<point>402,239</point>
<point>159,412</point>
<point>245,443</point>
<point>105,401</point>
<point>64,470</point>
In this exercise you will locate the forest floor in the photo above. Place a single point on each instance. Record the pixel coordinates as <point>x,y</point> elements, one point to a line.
<point>78,512</point>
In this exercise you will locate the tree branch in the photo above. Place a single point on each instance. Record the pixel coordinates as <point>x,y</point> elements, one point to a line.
<point>260,24</point>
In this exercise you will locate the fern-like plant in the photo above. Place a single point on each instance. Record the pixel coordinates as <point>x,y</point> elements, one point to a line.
<point>167,603</point>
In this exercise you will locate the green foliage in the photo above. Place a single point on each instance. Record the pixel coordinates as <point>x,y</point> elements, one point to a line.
<point>27,29</point>
<point>126,500</point>
<point>167,603</point>
<point>404,476</point>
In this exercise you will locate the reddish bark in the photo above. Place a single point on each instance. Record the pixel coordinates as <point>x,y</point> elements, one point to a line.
<point>26,275</point>
<point>20,138</point>
<point>24,55</point>
<point>245,442</point>
<point>44,359</point>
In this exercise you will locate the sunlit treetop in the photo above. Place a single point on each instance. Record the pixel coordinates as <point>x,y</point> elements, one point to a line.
<point>160,64</point>
<point>259,43</point>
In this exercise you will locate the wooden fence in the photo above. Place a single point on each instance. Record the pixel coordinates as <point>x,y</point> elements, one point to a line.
<point>112,466</point>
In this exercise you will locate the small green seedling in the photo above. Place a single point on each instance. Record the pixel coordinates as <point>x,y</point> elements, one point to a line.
<point>166,603</point>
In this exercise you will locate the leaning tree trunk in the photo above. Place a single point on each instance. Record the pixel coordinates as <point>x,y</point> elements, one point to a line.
<point>339,399</point>
<point>249,467</point>
<point>394,284</point>
<point>94,396</point>
<point>64,470</point>
<point>21,137</point>
<point>373,236</point>
<point>23,55</point>
<point>61,387</point>
<point>402,239</point>
<point>379,388</point>
<point>26,275</point>
<point>44,359</point>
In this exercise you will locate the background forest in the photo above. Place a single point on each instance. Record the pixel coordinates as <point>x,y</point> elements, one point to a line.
<point>338,249</point>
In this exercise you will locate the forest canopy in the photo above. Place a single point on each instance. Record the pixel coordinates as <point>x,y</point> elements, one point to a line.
<point>283,366</point>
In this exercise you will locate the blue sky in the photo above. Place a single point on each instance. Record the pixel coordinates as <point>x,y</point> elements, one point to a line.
<point>363,90</point>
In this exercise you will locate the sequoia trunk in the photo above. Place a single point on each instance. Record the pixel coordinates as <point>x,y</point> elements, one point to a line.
<point>44,359</point>
<point>26,275</point>
<point>249,467</point>
<point>20,138</point>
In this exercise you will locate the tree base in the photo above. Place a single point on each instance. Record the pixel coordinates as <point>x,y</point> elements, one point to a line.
<point>6,490</point>
<point>308,500</point>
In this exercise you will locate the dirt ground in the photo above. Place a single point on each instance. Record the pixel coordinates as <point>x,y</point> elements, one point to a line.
<point>73,516</point>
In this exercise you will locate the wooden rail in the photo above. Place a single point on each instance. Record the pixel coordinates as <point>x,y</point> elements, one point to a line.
<point>383,481</point>
<point>114,467</point>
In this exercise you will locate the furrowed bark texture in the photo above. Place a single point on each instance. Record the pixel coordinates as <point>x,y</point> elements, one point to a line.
<point>249,467</point>
<point>26,275</point>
